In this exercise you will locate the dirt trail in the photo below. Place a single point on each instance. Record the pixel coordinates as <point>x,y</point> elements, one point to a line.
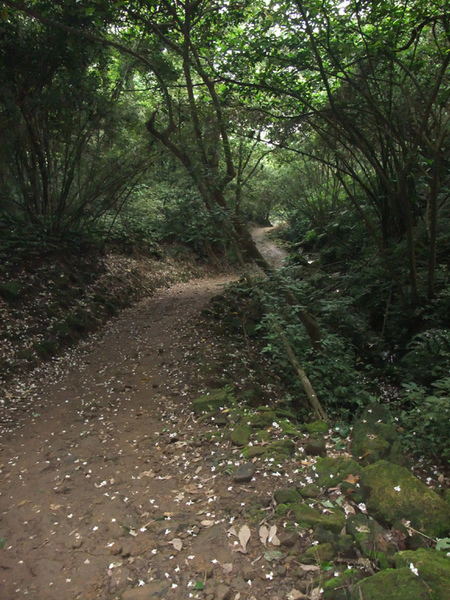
<point>105,492</point>
<point>268,249</point>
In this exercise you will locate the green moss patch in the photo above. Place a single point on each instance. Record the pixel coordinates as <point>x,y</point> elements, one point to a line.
<point>209,402</point>
<point>332,471</point>
<point>393,494</point>
<point>375,436</point>
<point>395,584</point>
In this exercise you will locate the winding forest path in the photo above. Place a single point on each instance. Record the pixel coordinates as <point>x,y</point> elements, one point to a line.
<point>106,492</point>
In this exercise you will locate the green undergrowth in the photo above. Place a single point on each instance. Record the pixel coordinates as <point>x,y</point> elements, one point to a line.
<point>346,374</point>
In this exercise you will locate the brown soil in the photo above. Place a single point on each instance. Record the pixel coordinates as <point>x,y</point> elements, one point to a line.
<point>109,488</point>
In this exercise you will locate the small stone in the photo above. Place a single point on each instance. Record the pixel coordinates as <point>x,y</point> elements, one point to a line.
<point>115,549</point>
<point>248,573</point>
<point>244,473</point>
<point>288,539</point>
<point>222,592</point>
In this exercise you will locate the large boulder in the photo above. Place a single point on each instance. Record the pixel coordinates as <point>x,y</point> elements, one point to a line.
<point>395,584</point>
<point>394,494</point>
<point>432,567</point>
<point>420,575</point>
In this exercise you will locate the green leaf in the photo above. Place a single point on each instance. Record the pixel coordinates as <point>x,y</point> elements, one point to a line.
<point>443,544</point>
<point>199,585</point>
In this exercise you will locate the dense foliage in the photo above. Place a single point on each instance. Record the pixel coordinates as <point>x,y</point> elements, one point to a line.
<point>129,123</point>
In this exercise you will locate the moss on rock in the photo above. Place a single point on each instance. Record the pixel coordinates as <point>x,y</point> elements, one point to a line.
<point>262,418</point>
<point>308,516</point>
<point>317,427</point>
<point>332,471</point>
<point>393,494</point>
<point>311,490</point>
<point>338,588</point>
<point>395,584</point>
<point>375,436</point>
<point>317,554</point>
<point>240,436</point>
<point>286,496</point>
<point>284,448</point>
<point>373,541</point>
<point>433,568</point>
<point>209,402</point>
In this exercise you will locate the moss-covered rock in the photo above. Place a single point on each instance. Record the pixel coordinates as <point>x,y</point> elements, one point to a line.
<point>10,291</point>
<point>283,448</point>
<point>316,445</point>
<point>393,493</point>
<point>317,554</point>
<point>338,588</point>
<point>308,516</point>
<point>262,418</point>
<point>395,584</point>
<point>286,496</point>
<point>253,451</point>
<point>213,401</point>
<point>311,490</point>
<point>332,471</point>
<point>433,568</point>
<point>375,437</point>
<point>240,436</point>
<point>373,541</point>
<point>317,427</point>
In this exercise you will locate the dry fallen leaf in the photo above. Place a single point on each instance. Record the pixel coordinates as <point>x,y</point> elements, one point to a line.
<point>147,474</point>
<point>207,523</point>
<point>227,568</point>
<point>309,567</point>
<point>351,479</point>
<point>232,531</point>
<point>177,544</point>
<point>263,534</point>
<point>244,536</point>
<point>273,536</point>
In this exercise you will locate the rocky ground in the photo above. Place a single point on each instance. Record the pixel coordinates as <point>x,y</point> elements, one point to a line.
<point>133,471</point>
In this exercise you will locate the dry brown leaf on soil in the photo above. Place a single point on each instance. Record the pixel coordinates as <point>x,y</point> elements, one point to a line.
<point>232,531</point>
<point>207,523</point>
<point>244,536</point>
<point>263,535</point>
<point>309,567</point>
<point>177,544</point>
<point>227,568</point>
<point>273,536</point>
